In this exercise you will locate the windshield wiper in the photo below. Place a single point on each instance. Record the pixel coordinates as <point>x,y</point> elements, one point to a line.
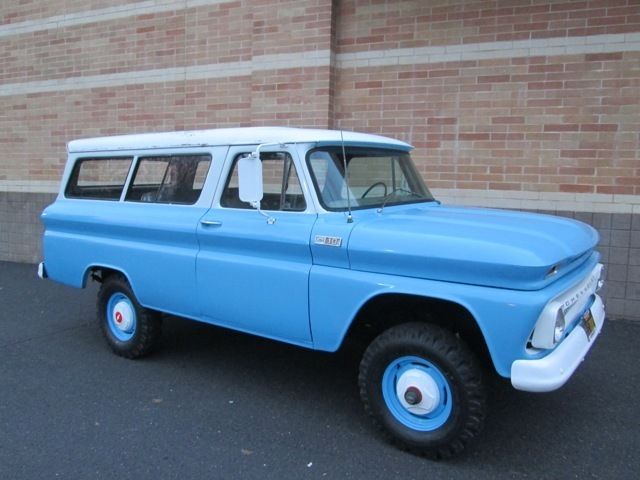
<point>391,194</point>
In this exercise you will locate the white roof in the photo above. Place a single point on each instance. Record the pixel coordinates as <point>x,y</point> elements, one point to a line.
<point>228,136</point>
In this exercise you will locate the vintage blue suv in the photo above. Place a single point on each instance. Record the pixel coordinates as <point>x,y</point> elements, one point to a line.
<point>316,238</point>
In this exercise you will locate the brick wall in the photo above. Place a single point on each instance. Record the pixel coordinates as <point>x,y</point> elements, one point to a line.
<point>544,123</point>
<point>528,104</point>
<point>21,230</point>
<point>552,123</point>
<point>379,25</point>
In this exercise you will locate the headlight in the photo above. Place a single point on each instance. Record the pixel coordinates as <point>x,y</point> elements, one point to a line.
<point>558,330</point>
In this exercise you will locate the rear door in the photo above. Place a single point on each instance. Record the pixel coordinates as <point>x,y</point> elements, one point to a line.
<point>162,206</point>
<point>252,268</point>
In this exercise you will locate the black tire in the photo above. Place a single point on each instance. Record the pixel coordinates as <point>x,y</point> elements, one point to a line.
<point>419,347</point>
<point>143,337</point>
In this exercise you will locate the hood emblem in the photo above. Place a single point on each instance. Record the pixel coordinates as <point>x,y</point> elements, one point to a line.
<point>328,241</point>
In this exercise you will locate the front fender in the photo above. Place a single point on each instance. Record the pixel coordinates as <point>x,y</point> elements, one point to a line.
<point>505,317</point>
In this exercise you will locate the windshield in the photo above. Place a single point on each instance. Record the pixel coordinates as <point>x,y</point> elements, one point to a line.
<point>377,177</point>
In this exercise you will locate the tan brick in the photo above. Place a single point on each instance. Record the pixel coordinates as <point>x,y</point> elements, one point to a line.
<point>531,123</point>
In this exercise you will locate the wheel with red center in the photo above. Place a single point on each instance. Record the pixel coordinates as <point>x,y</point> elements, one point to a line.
<point>121,317</point>
<point>423,388</point>
<point>130,330</point>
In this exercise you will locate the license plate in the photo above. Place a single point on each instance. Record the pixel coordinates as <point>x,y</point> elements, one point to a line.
<point>588,324</point>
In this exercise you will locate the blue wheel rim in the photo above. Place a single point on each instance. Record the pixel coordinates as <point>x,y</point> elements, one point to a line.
<point>116,302</point>
<point>428,422</point>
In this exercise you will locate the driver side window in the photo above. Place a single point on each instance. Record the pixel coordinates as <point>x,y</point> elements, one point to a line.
<point>282,191</point>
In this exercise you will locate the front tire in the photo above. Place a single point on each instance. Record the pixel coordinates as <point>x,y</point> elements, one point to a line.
<point>423,388</point>
<point>130,330</point>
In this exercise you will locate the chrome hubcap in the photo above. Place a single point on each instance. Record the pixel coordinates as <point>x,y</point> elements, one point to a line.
<point>417,392</point>
<point>123,316</point>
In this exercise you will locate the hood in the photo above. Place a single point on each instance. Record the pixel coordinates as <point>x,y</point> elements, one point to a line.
<point>498,248</point>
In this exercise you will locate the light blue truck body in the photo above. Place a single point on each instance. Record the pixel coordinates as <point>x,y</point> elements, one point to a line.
<point>230,267</point>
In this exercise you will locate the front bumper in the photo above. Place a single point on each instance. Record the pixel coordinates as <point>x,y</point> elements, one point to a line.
<point>551,372</point>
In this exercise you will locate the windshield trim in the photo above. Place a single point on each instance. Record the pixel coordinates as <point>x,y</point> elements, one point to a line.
<point>428,199</point>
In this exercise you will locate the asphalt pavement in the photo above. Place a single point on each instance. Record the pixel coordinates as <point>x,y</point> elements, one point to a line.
<point>216,404</point>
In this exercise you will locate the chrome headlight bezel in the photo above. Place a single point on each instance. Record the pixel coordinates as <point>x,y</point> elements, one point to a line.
<point>570,303</point>
<point>560,326</point>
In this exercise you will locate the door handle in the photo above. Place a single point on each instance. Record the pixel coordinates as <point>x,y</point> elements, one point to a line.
<point>211,223</point>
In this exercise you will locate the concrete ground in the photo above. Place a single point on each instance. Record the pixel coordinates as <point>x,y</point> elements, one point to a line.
<point>216,404</point>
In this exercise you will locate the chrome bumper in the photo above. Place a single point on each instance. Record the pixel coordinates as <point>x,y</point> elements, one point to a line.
<point>551,372</point>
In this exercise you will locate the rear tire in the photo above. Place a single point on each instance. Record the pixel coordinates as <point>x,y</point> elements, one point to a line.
<point>423,389</point>
<point>130,330</point>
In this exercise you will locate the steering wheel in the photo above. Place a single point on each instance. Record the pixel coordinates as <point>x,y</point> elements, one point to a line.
<point>366,192</point>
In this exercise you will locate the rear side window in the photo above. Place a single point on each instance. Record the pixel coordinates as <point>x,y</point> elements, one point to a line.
<point>98,178</point>
<point>169,179</point>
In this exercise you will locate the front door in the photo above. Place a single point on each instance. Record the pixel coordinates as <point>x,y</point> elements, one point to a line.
<point>253,268</point>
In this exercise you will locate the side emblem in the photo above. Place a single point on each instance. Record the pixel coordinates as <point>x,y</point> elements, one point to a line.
<point>329,241</point>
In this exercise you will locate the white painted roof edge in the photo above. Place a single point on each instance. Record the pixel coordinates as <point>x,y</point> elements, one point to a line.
<point>226,136</point>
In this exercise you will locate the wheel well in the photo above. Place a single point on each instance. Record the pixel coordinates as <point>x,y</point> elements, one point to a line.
<point>100,274</point>
<point>385,311</point>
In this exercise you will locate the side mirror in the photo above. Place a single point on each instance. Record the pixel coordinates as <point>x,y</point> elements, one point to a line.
<point>250,180</point>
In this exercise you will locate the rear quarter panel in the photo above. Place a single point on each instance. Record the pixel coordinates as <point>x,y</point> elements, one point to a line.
<point>154,246</point>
